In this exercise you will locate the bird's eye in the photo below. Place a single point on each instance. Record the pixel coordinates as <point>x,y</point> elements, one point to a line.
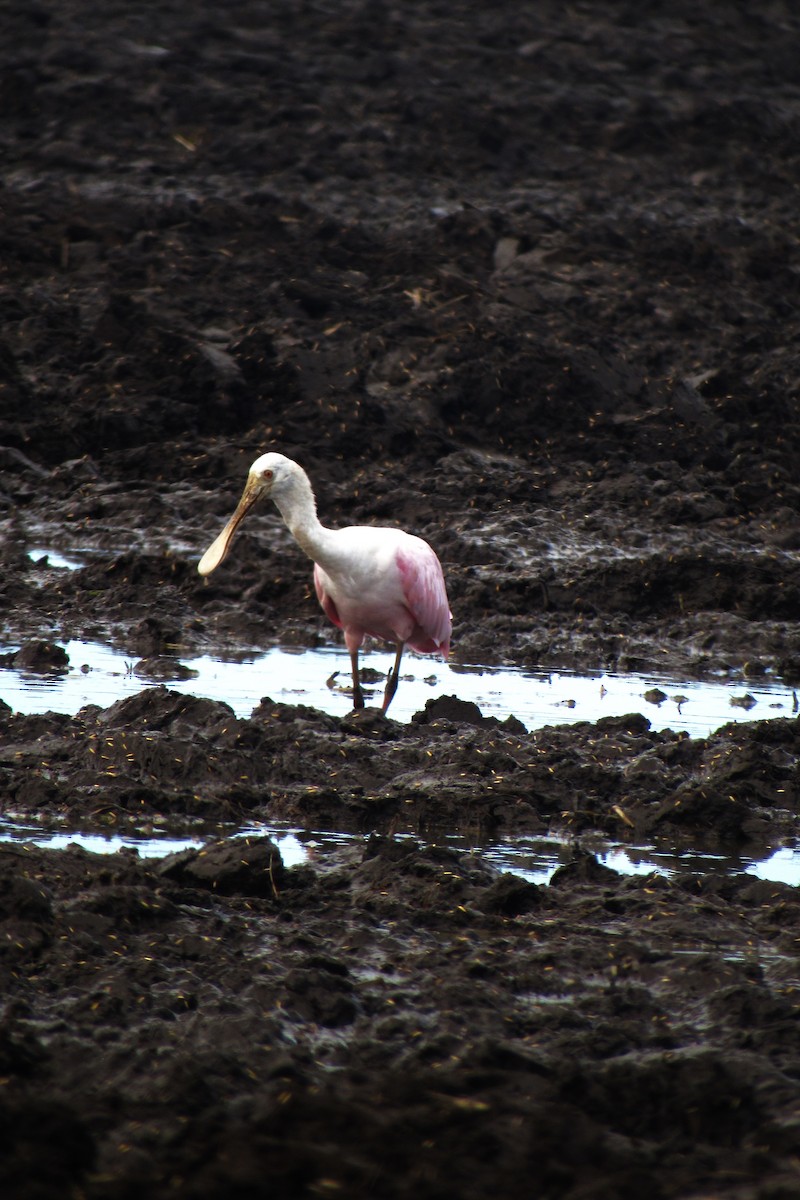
<point>267,475</point>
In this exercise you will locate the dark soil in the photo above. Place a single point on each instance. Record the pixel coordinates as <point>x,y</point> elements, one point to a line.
<point>526,281</point>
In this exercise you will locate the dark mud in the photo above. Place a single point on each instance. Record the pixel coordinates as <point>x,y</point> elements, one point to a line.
<point>527,283</point>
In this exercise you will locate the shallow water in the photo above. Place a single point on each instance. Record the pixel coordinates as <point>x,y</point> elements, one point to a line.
<point>535,859</point>
<point>321,678</point>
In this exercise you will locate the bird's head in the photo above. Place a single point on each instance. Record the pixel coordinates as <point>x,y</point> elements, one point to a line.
<point>270,476</point>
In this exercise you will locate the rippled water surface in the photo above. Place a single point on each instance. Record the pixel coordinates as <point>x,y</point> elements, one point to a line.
<point>533,858</point>
<point>321,678</point>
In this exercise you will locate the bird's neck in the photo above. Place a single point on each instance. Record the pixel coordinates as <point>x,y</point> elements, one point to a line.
<point>298,508</point>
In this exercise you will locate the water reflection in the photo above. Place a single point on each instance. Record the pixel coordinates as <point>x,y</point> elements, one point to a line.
<point>535,859</point>
<point>41,556</point>
<point>321,678</point>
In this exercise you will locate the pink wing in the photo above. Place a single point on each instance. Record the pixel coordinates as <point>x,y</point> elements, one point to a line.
<point>328,607</point>
<point>425,596</point>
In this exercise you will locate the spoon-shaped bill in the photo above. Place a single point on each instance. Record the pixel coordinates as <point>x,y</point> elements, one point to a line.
<point>217,551</point>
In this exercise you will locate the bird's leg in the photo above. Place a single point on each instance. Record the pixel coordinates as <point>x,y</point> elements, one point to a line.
<point>393,679</point>
<point>358,695</point>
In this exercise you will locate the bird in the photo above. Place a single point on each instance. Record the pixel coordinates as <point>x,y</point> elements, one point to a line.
<point>369,580</point>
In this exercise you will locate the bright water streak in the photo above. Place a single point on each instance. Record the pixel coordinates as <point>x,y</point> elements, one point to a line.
<point>100,675</point>
<point>534,859</point>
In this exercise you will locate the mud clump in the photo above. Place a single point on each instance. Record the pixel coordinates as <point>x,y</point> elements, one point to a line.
<point>186,1028</point>
<point>37,658</point>
<point>166,1018</point>
<point>523,282</point>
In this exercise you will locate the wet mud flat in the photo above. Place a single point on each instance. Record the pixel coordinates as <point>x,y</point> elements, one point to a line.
<point>394,1016</point>
<point>526,283</point>
<point>402,1022</point>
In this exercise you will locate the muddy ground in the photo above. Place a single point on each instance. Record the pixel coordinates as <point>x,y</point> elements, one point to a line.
<point>523,279</point>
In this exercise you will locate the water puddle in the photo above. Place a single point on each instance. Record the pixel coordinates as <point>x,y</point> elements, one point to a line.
<point>538,859</point>
<point>156,844</point>
<point>43,556</point>
<point>320,678</point>
<point>100,675</point>
<point>535,859</point>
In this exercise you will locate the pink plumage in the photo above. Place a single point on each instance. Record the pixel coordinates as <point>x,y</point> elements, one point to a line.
<point>426,597</point>
<point>373,581</point>
<point>403,601</point>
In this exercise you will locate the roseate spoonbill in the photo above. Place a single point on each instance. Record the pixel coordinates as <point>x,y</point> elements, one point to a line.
<point>369,580</point>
